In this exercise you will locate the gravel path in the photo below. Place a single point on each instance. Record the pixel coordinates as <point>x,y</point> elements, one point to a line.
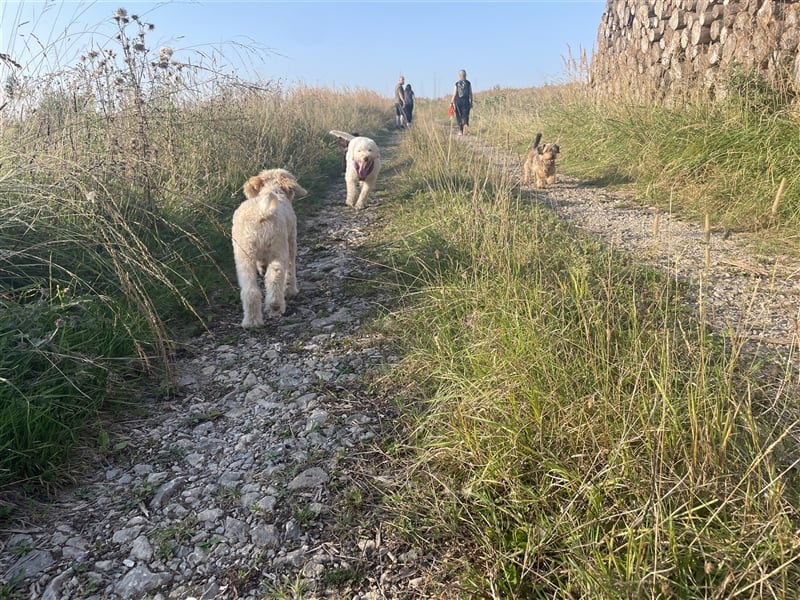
<point>257,479</point>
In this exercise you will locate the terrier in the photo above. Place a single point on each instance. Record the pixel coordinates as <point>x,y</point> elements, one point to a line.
<point>541,163</point>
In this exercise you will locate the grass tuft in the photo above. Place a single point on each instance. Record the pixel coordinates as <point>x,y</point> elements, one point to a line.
<point>577,430</point>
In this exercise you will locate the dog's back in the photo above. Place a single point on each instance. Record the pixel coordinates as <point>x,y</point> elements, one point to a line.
<point>264,199</point>
<point>264,235</point>
<point>267,211</point>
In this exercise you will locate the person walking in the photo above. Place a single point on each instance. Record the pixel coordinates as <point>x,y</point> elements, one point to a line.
<point>462,102</point>
<point>408,103</point>
<point>399,102</point>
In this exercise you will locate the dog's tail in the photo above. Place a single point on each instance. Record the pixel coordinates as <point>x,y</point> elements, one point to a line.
<point>268,202</point>
<point>267,205</point>
<point>342,135</point>
<point>537,140</point>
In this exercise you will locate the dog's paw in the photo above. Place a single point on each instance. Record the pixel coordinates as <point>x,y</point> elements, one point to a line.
<point>252,323</point>
<point>276,309</point>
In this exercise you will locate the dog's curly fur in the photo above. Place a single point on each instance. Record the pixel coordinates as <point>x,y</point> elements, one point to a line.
<point>264,235</point>
<point>541,163</point>
<point>362,165</point>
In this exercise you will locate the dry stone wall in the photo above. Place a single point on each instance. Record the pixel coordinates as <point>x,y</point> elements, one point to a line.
<point>666,48</point>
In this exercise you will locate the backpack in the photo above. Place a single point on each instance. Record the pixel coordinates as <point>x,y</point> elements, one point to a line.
<point>463,88</point>
<point>409,96</point>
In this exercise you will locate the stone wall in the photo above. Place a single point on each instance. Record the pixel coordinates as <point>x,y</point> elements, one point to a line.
<point>664,48</point>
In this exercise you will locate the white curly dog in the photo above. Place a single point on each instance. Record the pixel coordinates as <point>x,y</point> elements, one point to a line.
<point>264,237</point>
<point>362,165</point>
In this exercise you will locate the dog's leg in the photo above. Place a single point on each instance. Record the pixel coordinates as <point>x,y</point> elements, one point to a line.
<point>526,179</point>
<point>274,286</point>
<point>366,187</point>
<point>250,293</point>
<point>362,196</point>
<point>291,271</point>
<point>352,183</point>
<point>251,301</point>
<point>251,298</point>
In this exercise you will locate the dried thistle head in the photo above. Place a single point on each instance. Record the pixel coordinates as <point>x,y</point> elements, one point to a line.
<point>121,16</point>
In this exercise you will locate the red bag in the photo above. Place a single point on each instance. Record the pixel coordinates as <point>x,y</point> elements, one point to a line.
<point>451,111</point>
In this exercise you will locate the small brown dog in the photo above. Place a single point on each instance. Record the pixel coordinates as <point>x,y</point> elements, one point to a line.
<point>541,163</point>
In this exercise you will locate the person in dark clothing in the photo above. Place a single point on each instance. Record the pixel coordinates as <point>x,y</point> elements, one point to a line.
<point>408,105</point>
<point>462,102</point>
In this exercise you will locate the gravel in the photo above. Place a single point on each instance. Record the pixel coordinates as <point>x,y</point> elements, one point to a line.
<point>243,483</point>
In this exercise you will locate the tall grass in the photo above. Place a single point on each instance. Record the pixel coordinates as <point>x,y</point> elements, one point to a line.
<point>118,177</point>
<point>726,158</point>
<point>576,432</point>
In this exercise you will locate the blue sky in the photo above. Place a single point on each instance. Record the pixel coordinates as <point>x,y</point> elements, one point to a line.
<point>339,45</point>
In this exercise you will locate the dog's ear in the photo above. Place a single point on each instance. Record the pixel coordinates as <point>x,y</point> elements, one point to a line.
<point>290,186</point>
<point>252,186</point>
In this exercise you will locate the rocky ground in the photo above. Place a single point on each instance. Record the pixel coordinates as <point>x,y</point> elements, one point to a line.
<point>258,478</point>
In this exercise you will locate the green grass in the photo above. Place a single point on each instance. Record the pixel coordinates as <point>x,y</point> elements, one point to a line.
<point>726,159</point>
<point>575,431</point>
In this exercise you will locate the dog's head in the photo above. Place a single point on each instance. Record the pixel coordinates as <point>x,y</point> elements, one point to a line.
<point>548,154</point>
<point>280,179</point>
<point>363,152</point>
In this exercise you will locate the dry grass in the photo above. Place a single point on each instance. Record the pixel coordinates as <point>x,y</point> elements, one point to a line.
<point>118,177</point>
<point>575,432</point>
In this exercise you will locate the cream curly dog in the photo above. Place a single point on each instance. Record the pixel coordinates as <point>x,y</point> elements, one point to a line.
<point>264,236</point>
<point>541,163</point>
<point>362,165</point>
